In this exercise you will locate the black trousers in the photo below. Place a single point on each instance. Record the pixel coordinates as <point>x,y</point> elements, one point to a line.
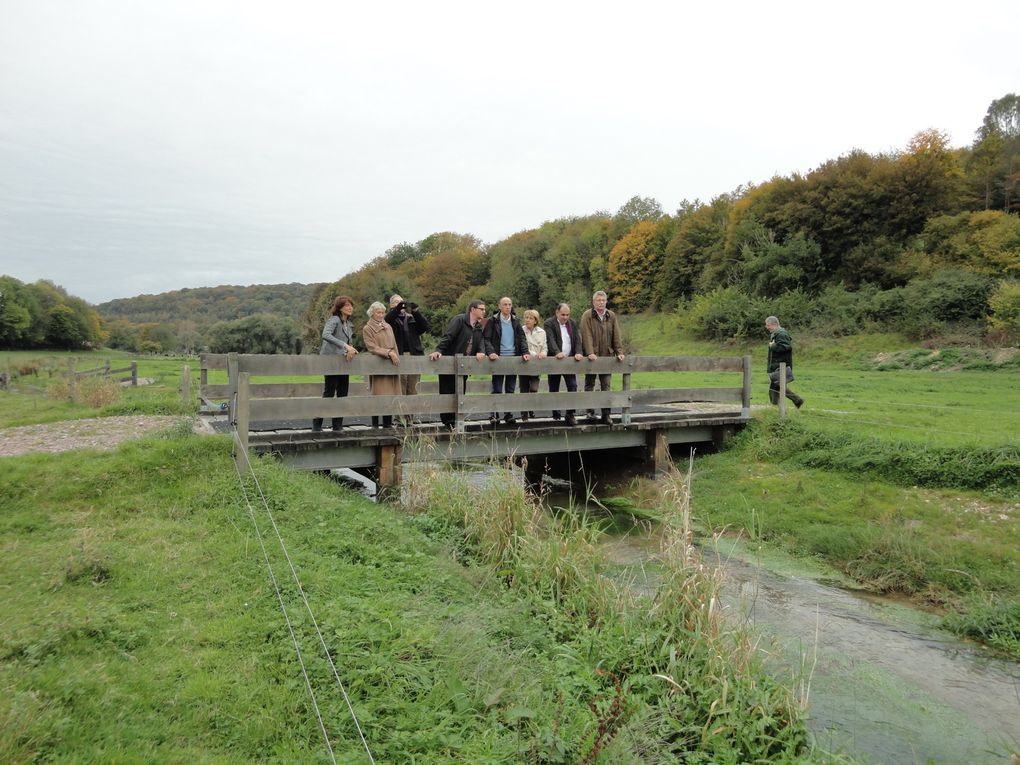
<point>335,386</point>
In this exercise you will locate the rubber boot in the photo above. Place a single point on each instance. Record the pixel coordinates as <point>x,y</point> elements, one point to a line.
<point>338,423</point>
<point>317,425</point>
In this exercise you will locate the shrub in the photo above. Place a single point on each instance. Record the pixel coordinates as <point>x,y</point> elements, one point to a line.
<point>725,313</point>
<point>1005,308</point>
<point>97,392</point>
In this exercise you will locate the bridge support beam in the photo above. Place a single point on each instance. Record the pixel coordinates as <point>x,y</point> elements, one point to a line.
<point>389,472</point>
<point>657,452</point>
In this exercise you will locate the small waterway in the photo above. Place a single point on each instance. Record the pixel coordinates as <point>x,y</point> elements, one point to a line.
<point>881,682</point>
<point>880,679</point>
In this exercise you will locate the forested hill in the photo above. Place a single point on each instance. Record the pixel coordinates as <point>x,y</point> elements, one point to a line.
<point>207,305</point>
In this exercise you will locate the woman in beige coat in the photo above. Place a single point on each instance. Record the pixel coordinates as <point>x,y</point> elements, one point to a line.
<point>379,340</point>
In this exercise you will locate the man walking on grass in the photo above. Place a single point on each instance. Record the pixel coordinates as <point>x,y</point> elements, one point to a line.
<point>780,351</point>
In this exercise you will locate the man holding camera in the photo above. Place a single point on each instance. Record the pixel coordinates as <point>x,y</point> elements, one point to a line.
<point>409,324</point>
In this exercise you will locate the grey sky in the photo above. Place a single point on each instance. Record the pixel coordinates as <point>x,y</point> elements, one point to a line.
<point>147,146</point>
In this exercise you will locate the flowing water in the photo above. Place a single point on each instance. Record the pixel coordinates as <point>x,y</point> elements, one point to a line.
<point>879,678</point>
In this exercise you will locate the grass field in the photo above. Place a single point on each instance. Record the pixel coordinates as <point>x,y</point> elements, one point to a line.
<point>140,625</point>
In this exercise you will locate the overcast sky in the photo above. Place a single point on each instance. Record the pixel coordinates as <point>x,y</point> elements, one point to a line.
<point>152,145</point>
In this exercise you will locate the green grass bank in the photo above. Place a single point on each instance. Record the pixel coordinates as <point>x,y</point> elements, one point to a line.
<point>140,625</point>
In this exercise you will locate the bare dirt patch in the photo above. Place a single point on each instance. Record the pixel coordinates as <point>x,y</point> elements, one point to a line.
<point>95,433</point>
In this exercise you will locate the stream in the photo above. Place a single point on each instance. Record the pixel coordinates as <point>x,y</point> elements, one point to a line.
<point>882,683</point>
<point>881,679</point>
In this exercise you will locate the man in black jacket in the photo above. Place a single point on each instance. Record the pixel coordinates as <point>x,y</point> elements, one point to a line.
<point>463,338</point>
<point>563,341</point>
<point>409,324</point>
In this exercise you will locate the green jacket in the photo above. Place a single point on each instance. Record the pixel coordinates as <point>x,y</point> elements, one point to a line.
<point>780,349</point>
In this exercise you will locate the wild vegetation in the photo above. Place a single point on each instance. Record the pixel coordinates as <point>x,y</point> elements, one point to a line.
<point>924,241</point>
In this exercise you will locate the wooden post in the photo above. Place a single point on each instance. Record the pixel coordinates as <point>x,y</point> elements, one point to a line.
<point>186,384</point>
<point>240,415</point>
<point>107,368</point>
<point>231,385</point>
<point>625,416</point>
<point>782,389</point>
<point>745,393</point>
<point>389,472</point>
<point>458,392</point>
<point>72,378</point>
<point>134,373</point>
<point>657,450</point>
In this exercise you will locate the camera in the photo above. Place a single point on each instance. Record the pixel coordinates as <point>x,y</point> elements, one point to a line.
<point>412,306</point>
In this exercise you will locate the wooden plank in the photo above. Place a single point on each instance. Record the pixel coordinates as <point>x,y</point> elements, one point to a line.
<point>745,403</point>
<point>654,396</point>
<point>364,363</point>
<point>364,406</point>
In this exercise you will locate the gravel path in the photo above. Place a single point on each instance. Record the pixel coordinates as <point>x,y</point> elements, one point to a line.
<point>95,433</point>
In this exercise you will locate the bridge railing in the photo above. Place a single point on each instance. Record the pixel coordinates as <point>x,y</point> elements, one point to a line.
<point>254,394</point>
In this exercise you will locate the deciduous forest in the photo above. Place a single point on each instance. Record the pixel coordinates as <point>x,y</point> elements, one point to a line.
<point>923,241</point>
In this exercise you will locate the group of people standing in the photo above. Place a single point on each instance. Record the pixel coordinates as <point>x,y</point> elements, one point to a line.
<point>397,332</point>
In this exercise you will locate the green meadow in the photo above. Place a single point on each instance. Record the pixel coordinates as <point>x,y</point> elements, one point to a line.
<point>141,624</point>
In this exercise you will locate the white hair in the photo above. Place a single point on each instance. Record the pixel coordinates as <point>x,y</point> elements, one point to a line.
<point>376,306</point>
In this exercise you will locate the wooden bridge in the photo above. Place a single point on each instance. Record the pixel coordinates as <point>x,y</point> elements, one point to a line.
<point>272,408</point>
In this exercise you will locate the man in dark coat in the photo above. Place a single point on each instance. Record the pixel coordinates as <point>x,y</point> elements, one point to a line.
<point>504,336</point>
<point>780,351</point>
<point>563,341</point>
<point>408,324</point>
<point>463,337</point>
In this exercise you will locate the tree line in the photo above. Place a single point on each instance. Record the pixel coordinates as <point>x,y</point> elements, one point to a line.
<point>43,315</point>
<point>922,240</point>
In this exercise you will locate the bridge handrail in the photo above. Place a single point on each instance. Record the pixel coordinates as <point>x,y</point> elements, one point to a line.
<point>289,400</point>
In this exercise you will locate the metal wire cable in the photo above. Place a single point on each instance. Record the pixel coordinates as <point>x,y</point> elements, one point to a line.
<point>283,607</point>
<point>304,599</point>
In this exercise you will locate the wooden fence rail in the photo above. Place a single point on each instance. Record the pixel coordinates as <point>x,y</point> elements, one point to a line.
<point>107,371</point>
<point>263,400</point>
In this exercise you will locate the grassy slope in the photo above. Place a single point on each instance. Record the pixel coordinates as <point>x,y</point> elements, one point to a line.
<point>140,624</point>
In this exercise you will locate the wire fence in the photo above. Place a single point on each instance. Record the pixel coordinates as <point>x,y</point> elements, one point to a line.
<point>304,599</point>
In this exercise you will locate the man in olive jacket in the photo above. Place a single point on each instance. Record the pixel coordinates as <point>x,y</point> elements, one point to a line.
<point>780,351</point>
<point>600,336</point>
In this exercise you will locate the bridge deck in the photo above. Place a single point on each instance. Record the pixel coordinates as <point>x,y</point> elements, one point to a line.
<point>359,446</point>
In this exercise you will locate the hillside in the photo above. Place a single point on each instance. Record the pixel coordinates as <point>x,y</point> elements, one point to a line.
<point>207,305</point>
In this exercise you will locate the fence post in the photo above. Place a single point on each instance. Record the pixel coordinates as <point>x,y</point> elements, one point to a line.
<point>107,372</point>
<point>232,385</point>
<point>782,389</point>
<point>240,414</point>
<point>458,392</point>
<point>72,378</point>
<point>625,414</point>
<point>134,373</point>
<point>186,384</point>
<point>745,393</point>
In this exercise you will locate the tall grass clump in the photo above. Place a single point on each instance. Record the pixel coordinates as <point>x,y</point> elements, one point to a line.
<point>668,678</point>
<point>721,705</point>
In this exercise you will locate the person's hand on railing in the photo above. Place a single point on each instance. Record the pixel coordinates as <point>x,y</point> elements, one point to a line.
<point>619,357</point>
<point>395,358</point>
<point>525,356</point>
<point>592,356</point>
<point>578,357</point>
<point>434,356</point>
<point>492,356</point>
<point>351,352</point>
